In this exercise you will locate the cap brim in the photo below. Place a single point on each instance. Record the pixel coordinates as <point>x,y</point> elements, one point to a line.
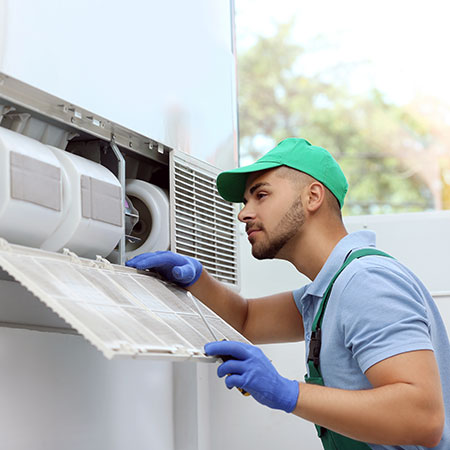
<point>231,184</point>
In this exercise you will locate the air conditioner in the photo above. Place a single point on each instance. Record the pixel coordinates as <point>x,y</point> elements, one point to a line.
<point>79,195</point>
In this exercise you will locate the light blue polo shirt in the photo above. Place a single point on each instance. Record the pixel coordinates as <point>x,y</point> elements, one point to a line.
<point>377,309</point>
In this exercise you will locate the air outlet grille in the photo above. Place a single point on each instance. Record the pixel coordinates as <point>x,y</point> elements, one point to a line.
<point>203,225</point>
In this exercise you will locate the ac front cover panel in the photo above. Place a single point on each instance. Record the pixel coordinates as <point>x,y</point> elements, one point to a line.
<point>119,310</point>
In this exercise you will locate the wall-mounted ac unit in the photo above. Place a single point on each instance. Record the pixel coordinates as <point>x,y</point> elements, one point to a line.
<point>79,196</point>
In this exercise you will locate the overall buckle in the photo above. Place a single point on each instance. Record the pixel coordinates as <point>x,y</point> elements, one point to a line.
<point>314,347</point>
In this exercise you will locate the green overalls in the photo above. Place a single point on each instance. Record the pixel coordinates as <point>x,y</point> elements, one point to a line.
<point>330,439</point>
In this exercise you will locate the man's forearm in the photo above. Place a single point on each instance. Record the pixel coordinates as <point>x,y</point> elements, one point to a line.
<point>396,414</point>
<point>222,300</point>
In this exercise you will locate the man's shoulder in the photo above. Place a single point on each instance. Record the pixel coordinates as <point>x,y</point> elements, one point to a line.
<point>375,267</point>
<point>378,280</point>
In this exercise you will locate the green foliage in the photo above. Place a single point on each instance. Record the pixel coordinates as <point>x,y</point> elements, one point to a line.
<point>372,139</point>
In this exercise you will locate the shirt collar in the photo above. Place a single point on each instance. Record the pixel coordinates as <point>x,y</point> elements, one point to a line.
<point>352,241</point>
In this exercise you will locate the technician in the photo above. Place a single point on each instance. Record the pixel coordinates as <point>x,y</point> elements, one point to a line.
<point>378,369</point>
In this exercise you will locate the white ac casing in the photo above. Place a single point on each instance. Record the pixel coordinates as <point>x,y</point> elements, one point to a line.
<point>57,201</point>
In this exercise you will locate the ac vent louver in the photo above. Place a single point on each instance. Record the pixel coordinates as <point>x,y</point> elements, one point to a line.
<point>203,224</point>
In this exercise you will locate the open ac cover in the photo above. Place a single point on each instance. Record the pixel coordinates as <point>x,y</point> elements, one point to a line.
<point>68,195</point>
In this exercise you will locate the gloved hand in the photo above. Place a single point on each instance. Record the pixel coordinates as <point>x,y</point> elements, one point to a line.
<point>251,370</point>
<point>180,269</point>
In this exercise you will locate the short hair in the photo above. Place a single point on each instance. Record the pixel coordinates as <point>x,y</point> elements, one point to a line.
<point>303,179</point>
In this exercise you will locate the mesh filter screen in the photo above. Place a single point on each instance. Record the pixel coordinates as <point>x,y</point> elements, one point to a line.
<point>120,311</point>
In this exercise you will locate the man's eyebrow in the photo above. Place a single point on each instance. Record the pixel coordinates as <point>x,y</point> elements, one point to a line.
<point>253,189</point>
<point>258,185</point>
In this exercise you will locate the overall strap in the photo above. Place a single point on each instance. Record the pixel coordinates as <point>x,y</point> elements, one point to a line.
<point>316,334</point>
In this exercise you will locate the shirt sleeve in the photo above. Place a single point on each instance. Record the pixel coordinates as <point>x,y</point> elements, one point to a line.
<point>298,297</point>
<point>383,314</point>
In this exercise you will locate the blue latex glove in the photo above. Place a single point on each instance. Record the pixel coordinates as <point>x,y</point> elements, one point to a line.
<point>251,370</point>
<point>180,269</point>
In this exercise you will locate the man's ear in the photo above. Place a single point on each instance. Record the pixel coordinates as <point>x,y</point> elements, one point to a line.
<point>315,196</point>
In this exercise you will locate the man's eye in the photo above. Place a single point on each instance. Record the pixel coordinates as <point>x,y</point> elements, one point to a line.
<point>260,195</point>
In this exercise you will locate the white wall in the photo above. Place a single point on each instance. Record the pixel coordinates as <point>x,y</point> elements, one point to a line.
<point>58,392</point>
<point>165,69</point>
<point>421,241</point>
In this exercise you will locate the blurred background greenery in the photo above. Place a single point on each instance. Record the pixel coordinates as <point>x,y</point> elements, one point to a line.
<point>396,155</point>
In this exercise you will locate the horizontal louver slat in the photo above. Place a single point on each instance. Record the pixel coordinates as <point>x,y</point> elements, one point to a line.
<point>196,198</point>
<point>201,202</point>
<point>205,226</point>
<point>216,262</point>
<point>213,246</point>
<point>211,194</point>
<point>194,176</point>
<point>224,225</point>
<point>203,254</point>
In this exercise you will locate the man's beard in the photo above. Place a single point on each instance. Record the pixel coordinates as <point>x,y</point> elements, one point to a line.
<point>286,229</point>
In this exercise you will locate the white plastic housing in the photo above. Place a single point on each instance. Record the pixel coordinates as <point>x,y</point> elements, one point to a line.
<point>30,189</point>
<point>52,199</point>
<point>93,212</point>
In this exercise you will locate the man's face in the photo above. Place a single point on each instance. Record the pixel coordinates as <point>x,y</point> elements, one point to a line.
<point>273,213</point>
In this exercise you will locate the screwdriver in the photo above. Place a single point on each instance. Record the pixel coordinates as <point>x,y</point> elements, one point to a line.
<point>224,358</point>
<point>227,358</point>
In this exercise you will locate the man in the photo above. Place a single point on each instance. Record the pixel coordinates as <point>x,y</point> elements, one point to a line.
<point>379,355</point>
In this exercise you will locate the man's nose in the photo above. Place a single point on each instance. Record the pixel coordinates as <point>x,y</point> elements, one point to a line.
<point>245,214</point>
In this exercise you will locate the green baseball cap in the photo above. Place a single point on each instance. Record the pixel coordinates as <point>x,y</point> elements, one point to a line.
<point>296,153</point>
